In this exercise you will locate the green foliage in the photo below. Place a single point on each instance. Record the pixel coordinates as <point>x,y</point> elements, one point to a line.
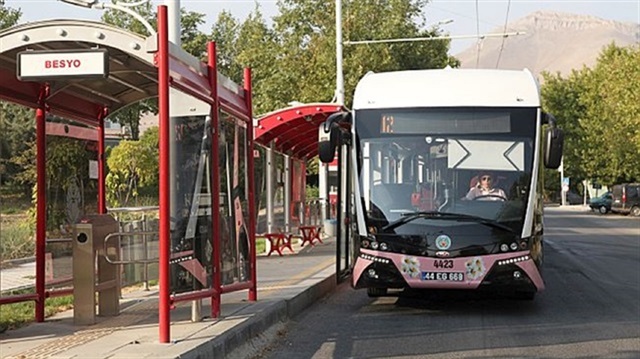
<point>598,109</point>
<point>132,165</point>
<point>17,128</point>
<point>312,192</point>
<point>9,17</point>
<point>295,59</point>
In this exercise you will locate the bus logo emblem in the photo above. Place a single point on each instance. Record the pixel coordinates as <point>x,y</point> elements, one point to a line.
<point>443,242</point>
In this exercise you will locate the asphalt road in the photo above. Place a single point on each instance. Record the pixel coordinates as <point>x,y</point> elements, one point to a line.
<point>590,309</point>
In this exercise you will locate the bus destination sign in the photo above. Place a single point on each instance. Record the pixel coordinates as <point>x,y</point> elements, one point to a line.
<point>74,64</point>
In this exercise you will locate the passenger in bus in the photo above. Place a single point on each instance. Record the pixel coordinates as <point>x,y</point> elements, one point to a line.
<point>484,189</point>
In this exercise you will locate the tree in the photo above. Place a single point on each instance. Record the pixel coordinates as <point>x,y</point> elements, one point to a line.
<point>132,165</point>
<point>16,122</point>
<point>9,17</point>
<point>598,109</point>
<point>612,120</point>
<point>307,37</point>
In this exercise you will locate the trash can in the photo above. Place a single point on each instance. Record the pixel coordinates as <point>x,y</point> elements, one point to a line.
<point>330,227</point>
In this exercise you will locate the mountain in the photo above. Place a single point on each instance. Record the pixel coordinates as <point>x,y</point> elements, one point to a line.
<point>553,42</point>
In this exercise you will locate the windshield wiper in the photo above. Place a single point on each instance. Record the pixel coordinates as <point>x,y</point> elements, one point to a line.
<point>410,216</point>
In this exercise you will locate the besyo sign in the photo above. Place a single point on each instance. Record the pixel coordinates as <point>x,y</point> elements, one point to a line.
<point>49,65</point>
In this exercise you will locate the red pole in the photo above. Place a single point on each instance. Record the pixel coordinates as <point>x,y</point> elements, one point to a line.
<point>102,202</point>
<point>215,193</point>
<point>163,117</point>
<point>253,291</point>
<point>41,201</point>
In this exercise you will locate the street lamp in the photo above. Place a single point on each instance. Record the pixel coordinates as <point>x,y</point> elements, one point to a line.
<point>122,6</point>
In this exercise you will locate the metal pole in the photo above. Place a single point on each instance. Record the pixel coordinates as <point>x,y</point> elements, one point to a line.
<point>287,193</point>
<point>41,205</point>
<point>175,28</point>
<point>164,175</point>
<point>563,194</point>
<point>339,74</point>
<point>253,290</point>
<point>270,165</point>
<point>215,193</point>
<point>102,203</point>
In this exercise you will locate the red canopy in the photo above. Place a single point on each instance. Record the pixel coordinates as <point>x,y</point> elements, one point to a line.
<point>294,130</point>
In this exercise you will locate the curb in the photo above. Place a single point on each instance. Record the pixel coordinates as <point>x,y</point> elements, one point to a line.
<point>249,335</point>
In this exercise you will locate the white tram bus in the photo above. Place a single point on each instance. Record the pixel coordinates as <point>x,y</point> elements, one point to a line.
<point>445,174</point>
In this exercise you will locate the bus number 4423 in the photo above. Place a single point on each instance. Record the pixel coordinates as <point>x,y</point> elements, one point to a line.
<point>443,263</point>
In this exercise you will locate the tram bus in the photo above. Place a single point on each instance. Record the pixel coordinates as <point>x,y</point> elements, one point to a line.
<point>422,146</point>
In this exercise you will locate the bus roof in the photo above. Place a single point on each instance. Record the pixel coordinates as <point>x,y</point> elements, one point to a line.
<point>447,88</point>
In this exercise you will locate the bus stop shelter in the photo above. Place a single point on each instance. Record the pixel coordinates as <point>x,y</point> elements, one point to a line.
<point>83,71</point>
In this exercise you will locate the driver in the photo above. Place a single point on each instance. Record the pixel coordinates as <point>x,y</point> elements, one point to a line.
<point>484,190</point>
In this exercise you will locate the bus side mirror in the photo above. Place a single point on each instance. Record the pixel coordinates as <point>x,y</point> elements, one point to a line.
<point>553,148</point>
<point>329,135</point>
<point>327,142</point>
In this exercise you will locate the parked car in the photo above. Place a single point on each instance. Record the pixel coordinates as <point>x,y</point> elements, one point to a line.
<point>626,199</point>
<point>602,203</point>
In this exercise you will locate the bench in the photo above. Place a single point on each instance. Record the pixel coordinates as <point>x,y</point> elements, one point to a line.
<point>310,234</point>
<point>279,241</point>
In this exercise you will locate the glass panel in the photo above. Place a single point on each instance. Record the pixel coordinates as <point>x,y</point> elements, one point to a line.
<point>192,224</point>
<point>234,194</point>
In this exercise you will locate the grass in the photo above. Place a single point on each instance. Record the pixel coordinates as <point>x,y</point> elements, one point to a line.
<point>13,316</point>
<point>261,246</point>
<point>16,237</point>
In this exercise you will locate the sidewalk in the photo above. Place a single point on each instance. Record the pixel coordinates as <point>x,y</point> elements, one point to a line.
<point>287,285</point>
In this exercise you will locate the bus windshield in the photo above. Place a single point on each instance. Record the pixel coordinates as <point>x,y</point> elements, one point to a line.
<point>469,162</point>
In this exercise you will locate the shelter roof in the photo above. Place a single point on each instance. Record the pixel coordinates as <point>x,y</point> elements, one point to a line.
<point>294,130</point>
<point>132,76</point>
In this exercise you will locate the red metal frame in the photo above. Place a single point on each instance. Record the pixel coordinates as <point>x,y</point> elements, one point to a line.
<point>173,72</point>
<point>162,61</point>
<point>41,206</point>
<point>102,200</point>
<point>215,200</point>
<point>253,290</point>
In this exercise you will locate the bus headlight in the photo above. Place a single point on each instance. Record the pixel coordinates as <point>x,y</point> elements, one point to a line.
<point>513,260</point>
<point>504,247</point>
<point>374,245</point>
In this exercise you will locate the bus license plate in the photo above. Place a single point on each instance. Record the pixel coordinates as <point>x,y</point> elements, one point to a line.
<point>443,276</point>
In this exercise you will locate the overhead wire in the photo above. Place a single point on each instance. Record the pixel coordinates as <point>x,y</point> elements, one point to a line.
<point>504,30</point>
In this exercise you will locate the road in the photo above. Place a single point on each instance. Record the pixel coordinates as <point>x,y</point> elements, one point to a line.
<point>590,309</point>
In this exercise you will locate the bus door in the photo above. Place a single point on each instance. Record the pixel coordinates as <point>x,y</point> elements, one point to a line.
<point>345,213</point>
<point>334,136</point>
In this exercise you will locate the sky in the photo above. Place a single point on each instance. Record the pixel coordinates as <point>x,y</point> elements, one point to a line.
<point>470,17</point>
